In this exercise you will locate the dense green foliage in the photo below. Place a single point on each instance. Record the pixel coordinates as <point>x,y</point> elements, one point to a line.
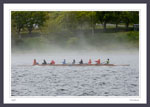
<point>29,20</point>
<point>72,29</point>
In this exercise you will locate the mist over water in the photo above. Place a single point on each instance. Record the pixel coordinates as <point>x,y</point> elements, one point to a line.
<point>30,80</point>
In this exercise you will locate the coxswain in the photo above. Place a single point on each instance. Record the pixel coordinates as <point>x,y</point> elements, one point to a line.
<point>81,62</point>
<point>98,61</point>
<point>44,62</point>
<point>74,61</point>
<point>64,62</point>
<point>107,62</point>
<point>90,62</point>
<point>52,62</point>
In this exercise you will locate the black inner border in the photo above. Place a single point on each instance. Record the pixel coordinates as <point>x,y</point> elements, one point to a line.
<point>74,1</point>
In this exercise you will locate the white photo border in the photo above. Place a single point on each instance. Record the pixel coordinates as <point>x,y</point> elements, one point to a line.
<point>141,99</point>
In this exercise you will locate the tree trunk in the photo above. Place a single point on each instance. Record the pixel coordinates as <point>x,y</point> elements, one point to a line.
<point>127,25</point>
<point>93,29</point>
<point>116,27</point>
<point>30,30</point>
<point>105,26</point>
<point>19,35</point>
<point>81,28</point>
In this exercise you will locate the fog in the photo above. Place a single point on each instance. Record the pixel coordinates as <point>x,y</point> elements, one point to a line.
<point>75,43</point>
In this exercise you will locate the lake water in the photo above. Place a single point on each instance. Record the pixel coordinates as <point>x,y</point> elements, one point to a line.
<point>27,80</point>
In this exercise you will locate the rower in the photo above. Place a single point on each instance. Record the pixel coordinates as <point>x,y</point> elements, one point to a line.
<point>81,62</point>
<point>107,62</point>
<point>64,62</point>
<point>34,62</point>
<point>90,62</point>
<point>44,62</point>
<point>98,61</point>
<point>74,61</point>
<point>52,62</point>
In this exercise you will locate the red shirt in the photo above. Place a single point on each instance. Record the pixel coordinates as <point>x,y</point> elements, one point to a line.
<point>52,62</point>
<point>98,61</point>
<point>89,61</point>
<point>34,62</point>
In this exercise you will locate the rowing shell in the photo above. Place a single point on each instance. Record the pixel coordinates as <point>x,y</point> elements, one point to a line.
<point>80,65</point>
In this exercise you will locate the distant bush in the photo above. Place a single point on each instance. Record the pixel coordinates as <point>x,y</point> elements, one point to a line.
<point>34,43</point>
<point>133,35</point>
<point>17,42</point>
<point>72,42</point>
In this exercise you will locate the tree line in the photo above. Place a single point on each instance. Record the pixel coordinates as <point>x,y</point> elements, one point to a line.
<point>55,21</point>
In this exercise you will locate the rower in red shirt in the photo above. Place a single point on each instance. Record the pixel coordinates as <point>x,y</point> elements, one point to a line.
<point>98,61</point>
<point>34,62</point>
<point>52,62</point>
<point>90,62</point>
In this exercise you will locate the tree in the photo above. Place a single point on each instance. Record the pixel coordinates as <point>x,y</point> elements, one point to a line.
<point>82,17</point>
<point>18,20</point>
<point>127,18</point>
<point>70,20</point>
<point>135,15</point>
<point>28,19</point>
<point>104,17</point>
<point>35,19</point>
<point>92,19</point>
<point>116,18</point>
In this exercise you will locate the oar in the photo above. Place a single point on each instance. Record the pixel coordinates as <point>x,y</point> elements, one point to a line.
<point>103,63</point>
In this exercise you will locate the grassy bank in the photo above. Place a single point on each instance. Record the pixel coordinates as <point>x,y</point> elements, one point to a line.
<point>76,40</point>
